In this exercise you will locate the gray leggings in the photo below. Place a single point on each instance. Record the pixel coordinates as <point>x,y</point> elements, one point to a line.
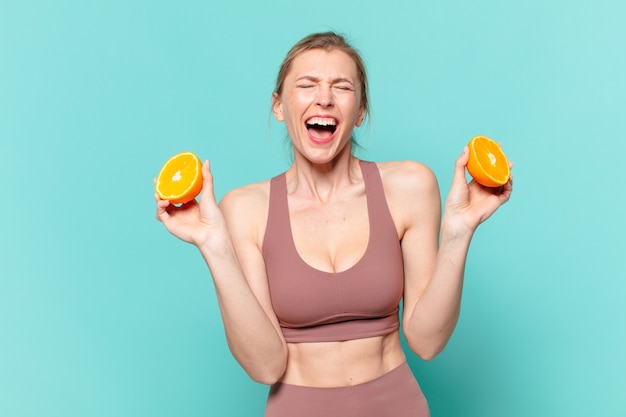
<point>396,394</point>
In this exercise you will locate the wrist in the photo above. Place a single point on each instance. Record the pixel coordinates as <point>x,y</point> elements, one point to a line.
<point>213,241</point>
<point>455,230</point>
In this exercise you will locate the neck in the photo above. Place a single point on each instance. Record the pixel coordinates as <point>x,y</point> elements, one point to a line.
<point>321,181</point>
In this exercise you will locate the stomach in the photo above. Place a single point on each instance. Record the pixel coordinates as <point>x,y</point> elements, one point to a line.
<point>338,364</point>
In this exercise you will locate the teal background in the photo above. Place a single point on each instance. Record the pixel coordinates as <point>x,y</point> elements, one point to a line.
<point>103,313</point>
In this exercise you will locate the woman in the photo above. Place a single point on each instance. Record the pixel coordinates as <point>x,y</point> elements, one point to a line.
<point>310,266</point>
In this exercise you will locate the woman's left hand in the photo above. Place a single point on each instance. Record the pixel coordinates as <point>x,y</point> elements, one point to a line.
<point>470,204</point>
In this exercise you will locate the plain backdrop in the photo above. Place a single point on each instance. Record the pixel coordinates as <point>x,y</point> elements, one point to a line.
<point>103,313</point>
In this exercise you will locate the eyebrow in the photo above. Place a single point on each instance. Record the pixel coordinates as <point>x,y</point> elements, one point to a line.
<point>317,79</point>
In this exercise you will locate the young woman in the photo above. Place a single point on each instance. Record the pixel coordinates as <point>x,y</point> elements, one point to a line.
<point>310,266</point>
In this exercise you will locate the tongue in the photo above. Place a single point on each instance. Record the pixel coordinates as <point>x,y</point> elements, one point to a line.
<point>320,133</point>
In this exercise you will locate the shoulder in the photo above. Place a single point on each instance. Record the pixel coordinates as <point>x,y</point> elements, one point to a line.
<point>401,177</point>
<point>245,209</point>
<point>247,194</point>
<point>412,192</point>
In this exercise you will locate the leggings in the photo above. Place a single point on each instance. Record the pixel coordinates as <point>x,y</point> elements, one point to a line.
<point>394,394</point>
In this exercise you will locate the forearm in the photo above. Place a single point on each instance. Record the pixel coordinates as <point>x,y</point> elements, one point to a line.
<point>434,316</point>
<point>251,335</point>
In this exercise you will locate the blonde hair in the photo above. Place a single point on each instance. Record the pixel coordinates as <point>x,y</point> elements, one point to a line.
<point>329,41</point>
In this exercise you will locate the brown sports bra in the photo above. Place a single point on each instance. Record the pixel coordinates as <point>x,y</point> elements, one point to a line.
<point>317,306</point>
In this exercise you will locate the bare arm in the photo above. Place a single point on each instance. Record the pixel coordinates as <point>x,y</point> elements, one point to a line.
<point>435,252</point>
<point>229,248</point>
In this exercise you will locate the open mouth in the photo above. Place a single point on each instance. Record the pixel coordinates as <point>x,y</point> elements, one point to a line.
<point>321,128</point>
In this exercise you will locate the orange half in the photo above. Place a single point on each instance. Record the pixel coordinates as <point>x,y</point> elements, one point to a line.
<point>180,178</point>
<point>487,162</point>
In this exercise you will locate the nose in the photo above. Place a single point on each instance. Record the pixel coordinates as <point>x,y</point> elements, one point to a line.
<point>325,97</point>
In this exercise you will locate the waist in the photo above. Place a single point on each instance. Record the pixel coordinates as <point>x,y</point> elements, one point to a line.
<point>342,328</point>
<point>336,364</point>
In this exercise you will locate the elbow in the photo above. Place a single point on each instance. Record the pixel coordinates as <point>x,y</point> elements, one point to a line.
<point>428,355</point>
<point>270,373</point>
<point>266,377</point>
<point>427,351</point>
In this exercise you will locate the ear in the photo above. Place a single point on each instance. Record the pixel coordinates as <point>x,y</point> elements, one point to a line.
<point>277,107</point>
<point>360,117</point>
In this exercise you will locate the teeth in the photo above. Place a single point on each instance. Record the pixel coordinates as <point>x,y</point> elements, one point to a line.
<point>322,121</point>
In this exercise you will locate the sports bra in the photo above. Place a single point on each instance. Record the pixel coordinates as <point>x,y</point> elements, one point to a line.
<point>318,306</point>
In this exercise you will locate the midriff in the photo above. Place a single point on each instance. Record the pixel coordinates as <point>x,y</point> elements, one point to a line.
<point>337,364</point>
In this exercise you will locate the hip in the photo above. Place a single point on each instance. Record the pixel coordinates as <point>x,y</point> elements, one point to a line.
<point>396,393</point>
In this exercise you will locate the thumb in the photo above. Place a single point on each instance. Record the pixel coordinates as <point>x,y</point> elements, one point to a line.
<point>459,167</point>
<point>207,183</point>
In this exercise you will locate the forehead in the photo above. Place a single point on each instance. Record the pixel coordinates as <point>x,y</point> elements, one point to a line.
<point>322,63</point>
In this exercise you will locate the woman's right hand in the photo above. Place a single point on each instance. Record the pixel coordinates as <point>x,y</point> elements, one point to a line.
<point>193,222</point>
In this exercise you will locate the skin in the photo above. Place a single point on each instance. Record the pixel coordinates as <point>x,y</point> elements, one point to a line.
<point>329,221</point>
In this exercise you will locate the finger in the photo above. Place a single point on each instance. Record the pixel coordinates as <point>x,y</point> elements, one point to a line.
<point>507,190</point>
<point>162,205</point>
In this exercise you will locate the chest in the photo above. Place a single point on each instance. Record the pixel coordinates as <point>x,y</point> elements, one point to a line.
<point>331,237</point>
<point>333,274</point>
